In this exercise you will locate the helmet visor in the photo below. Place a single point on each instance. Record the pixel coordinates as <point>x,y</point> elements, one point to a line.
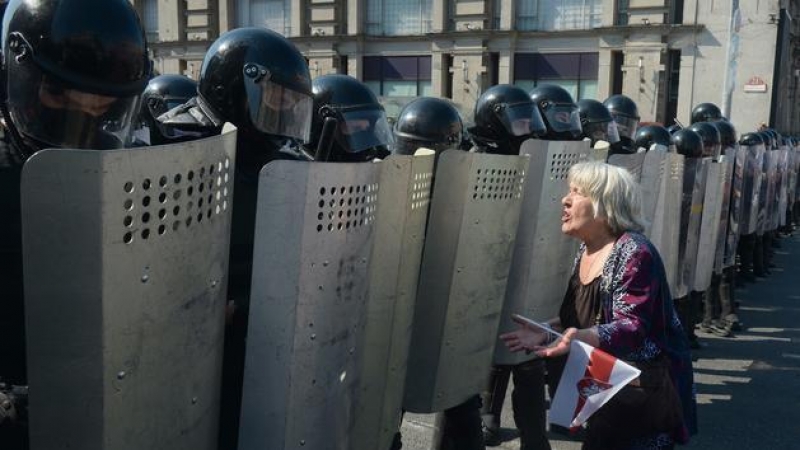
<point>522,120</point>
<point>364,128</point>
<point>60,116</point>
<point>277,110</point>
<point>602,131</point>
<point>563,118</point>
<point>405,146</point>
<point>626,126</point>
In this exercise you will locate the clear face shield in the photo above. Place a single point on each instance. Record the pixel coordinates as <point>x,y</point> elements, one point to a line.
<point>626,126</point>
<point>275,109</point>
<point>56,115</point>
<point>522,119</point>
<point>563,118</point>
<point>360,129</point>
<point>602,131</point>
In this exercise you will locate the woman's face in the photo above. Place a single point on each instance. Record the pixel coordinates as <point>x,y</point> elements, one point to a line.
<point>577,217</point>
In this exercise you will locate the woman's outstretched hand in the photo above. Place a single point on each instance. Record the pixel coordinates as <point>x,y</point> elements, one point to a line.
<point>532,339</point>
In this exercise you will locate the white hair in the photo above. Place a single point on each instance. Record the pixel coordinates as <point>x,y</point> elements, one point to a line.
<point>615,195</point>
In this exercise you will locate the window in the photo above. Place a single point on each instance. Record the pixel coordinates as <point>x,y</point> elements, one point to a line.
<point>150,19</point>
<point>555,15</point>
<point>575,72</point>
<point>622,12</point>
<point>398,76</point>
<point>398,17</point>
<point>273,14</point>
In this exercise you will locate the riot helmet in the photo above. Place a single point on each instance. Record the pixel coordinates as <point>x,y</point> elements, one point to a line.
<point>710,136</point>
<point>362,131</point>
<point>751,139</point>
<point>505,116</point>
<point>648,135</point>
<point>688,143</point>
<point>162,94</point>
<point>673,128</point>
<point>72,78</point>
<point>625,113</point>
<point>258,80</point>
<point>706,112</point>
<point>559,111</point>
<point>428,122</point>
<point>727,133</point>
<point>596,122</point>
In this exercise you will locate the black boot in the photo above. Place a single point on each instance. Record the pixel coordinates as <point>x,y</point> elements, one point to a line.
<point>461,427</point>
<point>529,405</point>
<point>745,250</point>
<point>493,400</point>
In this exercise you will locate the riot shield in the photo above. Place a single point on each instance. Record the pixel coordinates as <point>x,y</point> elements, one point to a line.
<point>660,176</point>
<point>543,255</point>
<point>709,224</point>
<point>691,213</point>
<point>126,263</point>
<point>736,158</point>
<point>468,250</point>
<point>751,188</point>
<point>399,233</point>
<point>315,226</point>
<point>772,158</point>
<point>726,160</point>
<point>783,185</point>
<point>765,193</point>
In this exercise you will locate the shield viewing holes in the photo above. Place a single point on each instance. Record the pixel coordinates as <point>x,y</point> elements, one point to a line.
<point>421,194</point>
<point>561,163</point>
<point>676,170</point>
<point>502,183</point>
<point>342,208</point>
<point>156,205</point>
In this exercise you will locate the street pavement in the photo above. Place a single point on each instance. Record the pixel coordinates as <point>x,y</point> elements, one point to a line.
<point>748,385</point>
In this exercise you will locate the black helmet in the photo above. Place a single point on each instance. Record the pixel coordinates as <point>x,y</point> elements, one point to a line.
<point>73,72</point>
<point>258,80</point>
<point>505,116</point>
<point>706,112</point>
<point>767,137</point>
<point>596,121</point>
<point>428,122</point>
<point>362,130</point>
<point>559,111</point>
<point>727,133</point>
<point>625,113</point>
<point>710,136</point>
<point>673,128</point>
<point>648,135</point>
<point>688,143</point>
<point>751,139</point>
<point>163,93</point>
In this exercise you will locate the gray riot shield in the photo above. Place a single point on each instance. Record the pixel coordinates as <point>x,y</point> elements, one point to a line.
<point>660,176</point>
<point>126,256</point>
<point>771,207</point>
<point>543,255</point>
<point>691,213</point>
<point>766,192</point>
<point>791,193</point>
<point>751,188</point>
<point>468,250</point>
<point>399,233</point>
<point>315,226</point>
<point>709,224</point>
<point>736,158</point>
<point>783,185</point>
<point>726,161</point>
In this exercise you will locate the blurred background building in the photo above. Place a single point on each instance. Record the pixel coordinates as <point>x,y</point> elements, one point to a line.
<point>667,55</point>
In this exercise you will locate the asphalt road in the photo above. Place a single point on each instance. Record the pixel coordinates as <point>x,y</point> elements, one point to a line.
<point>748,385</point>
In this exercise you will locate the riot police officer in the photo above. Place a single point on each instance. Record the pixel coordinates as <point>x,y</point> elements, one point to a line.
<point>357,130</point>
<point>650,135</point>
<point>163,93</point>
<point>706,112</point>
<point>596,122</point>
<point>259,81</point>
<point>626,114</point>
<point>435,124</point>
<point>711,138</point>
<point>747,242</point>
<point>505,117</point>
<point>72,75</point>
<point>559,111</point>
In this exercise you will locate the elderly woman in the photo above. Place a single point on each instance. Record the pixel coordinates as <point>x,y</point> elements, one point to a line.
<point>618,300</point>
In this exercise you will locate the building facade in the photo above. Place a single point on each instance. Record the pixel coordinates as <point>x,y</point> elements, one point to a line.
<point>667,55</point>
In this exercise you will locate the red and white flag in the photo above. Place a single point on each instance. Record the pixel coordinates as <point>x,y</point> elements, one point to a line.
<point>591,377</point>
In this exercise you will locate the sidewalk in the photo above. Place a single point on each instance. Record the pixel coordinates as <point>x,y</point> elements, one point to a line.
<point>748,386</point>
